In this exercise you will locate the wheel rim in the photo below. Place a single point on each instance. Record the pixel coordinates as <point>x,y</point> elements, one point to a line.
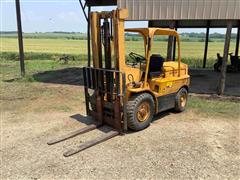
<point>183,100</point>
<point>143,112</point>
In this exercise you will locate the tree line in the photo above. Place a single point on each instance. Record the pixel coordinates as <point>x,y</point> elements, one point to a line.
<point>197,37</point>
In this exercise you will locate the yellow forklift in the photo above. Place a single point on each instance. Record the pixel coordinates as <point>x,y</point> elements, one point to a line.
<point>126,94</point>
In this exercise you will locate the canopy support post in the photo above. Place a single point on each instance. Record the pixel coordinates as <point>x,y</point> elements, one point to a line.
<point>206,45</point>
<point>222,80</point>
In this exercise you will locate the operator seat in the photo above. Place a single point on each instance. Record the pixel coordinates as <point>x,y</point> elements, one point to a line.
<point>155,65</point>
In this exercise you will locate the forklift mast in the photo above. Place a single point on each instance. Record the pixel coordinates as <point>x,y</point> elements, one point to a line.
<point>107,29</point>
<point>105,84</point>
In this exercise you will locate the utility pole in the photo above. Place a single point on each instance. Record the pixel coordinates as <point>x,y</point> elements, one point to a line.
<point>20,39</point>
<point>87,17</point>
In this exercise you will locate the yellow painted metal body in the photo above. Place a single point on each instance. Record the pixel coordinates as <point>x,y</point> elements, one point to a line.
<point>168,83</point>
<point>175,73</point>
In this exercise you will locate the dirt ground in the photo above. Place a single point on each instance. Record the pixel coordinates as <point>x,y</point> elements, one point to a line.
<point>189,145</point>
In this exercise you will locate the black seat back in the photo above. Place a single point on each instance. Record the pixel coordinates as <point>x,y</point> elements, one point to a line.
<point>155,65</point>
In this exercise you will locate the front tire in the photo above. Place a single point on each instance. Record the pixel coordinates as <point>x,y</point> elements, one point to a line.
<point>181,100</point>
<point>140,111</point>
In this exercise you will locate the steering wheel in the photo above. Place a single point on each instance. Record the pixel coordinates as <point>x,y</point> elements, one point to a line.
<point>137,58</point>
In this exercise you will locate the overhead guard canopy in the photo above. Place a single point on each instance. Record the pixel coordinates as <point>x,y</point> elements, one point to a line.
<point>153,31</point>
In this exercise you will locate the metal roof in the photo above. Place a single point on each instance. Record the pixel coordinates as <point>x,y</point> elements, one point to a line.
<point>182,9</point>
<point>192,23</point>
<point>181,13</point>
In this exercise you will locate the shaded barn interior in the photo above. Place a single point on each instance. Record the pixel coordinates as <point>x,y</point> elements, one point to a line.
<point>203,81</point>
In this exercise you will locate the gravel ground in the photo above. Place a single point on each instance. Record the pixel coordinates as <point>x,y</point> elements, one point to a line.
<point>175,146</point>
<point>189,145</point>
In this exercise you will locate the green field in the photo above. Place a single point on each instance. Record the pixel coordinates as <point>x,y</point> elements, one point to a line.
<point>192,52</point>
<point>40,55</point>
<point>45,46</point>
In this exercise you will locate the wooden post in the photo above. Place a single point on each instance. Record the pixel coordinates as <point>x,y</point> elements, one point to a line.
<point>20,39</point>
<point>225,58</point>
<point>89,36</point>
<point>206,45</point>
<point>237,40</point>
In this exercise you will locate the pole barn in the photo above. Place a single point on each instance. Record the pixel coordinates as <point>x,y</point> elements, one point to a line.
<point>190,14</point>
<point>171,14</point>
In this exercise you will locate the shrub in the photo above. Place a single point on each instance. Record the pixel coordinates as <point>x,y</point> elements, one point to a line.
<point>14,56</point>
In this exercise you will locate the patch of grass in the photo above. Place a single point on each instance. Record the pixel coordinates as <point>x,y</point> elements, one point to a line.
<point>215,107</point>
<point>26,97</point>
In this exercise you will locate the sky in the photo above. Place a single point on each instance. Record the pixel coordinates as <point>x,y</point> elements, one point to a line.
<point>57,15</point>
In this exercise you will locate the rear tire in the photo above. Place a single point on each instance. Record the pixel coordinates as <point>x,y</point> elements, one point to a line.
<point>181,100</point>
<point>140,111</point>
